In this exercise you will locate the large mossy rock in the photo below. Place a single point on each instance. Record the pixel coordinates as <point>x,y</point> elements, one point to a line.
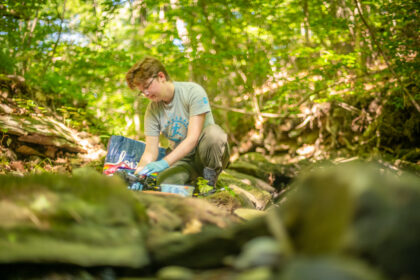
<point>248,191</point>
<point>386,224</point>
<point>250,180</point>
<point>359,209</point>
<point>355,211</point>
<point>328,268</point>
<point>317,211</point>
<point>173,213</point>
<point>255,164</point>
<point>332,222</point>
<point>87,220</point>
<point>206,249</point>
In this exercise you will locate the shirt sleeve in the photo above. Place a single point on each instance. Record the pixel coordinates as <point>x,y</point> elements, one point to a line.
<point>198,101</point>
<point>151,121</point>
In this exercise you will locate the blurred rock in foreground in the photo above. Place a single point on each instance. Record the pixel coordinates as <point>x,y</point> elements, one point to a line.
<point>357,209</point>
<point>347,221</point>
<point>87,220</point>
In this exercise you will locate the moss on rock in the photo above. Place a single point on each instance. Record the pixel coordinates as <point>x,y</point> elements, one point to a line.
<point>255,164</point>
<point>251,195</point>
<point>87,220</point>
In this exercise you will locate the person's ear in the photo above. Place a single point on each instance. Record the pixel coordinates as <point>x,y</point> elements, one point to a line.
<point>162,76</point>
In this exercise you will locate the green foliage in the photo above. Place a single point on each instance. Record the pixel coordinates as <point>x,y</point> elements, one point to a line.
<point>202,185</point>
<point>77,53</point>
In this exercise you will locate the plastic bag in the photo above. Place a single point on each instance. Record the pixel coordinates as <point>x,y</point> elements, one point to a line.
<point>124,154</point>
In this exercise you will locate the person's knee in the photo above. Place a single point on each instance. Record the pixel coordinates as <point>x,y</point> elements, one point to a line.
<point>215,135</point>
<point>213,149</point>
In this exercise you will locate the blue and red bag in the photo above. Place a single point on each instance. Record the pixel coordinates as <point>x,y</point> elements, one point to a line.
<point>124,154</point>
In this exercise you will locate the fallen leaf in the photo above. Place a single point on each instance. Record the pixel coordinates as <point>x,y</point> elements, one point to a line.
<point>18,166</point>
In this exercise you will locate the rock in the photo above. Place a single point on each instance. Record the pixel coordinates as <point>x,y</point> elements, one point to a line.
<point>251,199</point>
<point>260,251</point>
<point>363,209</point>
<point>250,195</point>
<point>206,249</point>
<point>259,273</point>
<point>175,273</point>
<point>409,166</point>
<point>328,268</point>
<point>203,250</point>
<point>257,165</point>
<point>386,224</point>
<point>193,226</point>
<point>228,201</point>
<point>251,169</point>
<point>248,214</point>
<point>317,212</point>
<point>251,180</point>
<point>178,214</point>
<point>83,220</point>
<point>84,172</point>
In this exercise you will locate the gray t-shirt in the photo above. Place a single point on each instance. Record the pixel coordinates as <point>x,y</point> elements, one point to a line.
<point>172,119</point>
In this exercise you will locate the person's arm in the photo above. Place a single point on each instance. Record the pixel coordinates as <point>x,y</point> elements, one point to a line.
<point>150,153</point>
<point>195,128</point>
<point>187,145</point>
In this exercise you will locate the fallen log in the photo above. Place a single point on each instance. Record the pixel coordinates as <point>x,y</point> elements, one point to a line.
<point>46,132</point>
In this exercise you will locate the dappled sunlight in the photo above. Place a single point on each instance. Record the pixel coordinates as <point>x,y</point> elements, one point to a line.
<point>319,104</point>
<point>93,154</point>
<point>306,150</point>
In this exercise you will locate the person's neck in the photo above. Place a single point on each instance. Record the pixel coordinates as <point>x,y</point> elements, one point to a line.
<point>169,92</point>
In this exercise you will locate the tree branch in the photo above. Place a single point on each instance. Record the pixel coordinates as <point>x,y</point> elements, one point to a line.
<point>303,100</point>
<point>27,43</point>
<point>58,38</point>
<point>243,111</point>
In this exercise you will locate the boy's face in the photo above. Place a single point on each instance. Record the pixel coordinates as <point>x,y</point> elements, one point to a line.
<point>151,88</point>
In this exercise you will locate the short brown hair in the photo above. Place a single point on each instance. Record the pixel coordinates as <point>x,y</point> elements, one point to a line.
<point>143,70</point>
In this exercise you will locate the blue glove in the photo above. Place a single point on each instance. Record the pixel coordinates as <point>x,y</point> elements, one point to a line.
<point>156,166</point>
<point>137,186</point>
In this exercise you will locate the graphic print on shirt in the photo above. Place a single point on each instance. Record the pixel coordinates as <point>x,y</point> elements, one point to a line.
<point>176,128</point>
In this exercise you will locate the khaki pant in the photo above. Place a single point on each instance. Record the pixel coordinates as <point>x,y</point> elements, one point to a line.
<point>212,151</point>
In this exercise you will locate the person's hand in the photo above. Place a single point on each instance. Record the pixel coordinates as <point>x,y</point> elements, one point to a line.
<point>137,186</point>
<point>156,166</point>
<point>138,169</point>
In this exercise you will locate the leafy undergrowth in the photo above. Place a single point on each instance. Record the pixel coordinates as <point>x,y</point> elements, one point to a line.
<point>34,138</point>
